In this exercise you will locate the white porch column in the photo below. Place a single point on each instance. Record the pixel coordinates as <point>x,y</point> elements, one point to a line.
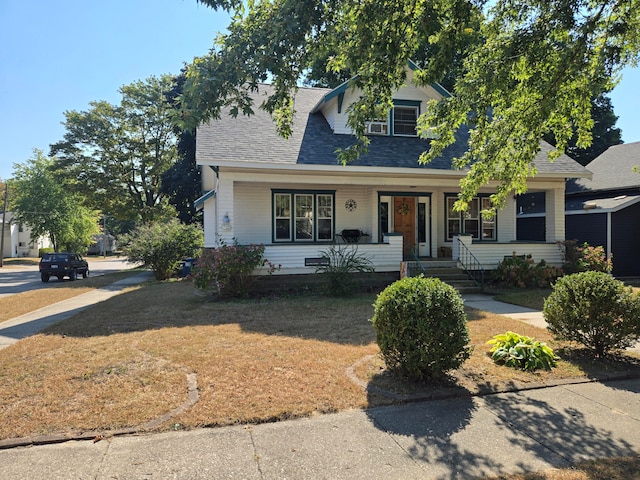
<point>554,203</point>
<point>465,240</point>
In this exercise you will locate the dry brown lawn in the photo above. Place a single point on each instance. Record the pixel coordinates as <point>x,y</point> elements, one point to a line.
<point>55,291</point>
<point>124,362</point>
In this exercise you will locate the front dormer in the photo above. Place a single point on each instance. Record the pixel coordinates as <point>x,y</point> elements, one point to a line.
<point>409,103</point>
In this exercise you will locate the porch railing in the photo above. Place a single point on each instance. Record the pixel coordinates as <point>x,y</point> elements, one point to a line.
<point>470,264</point>
<point>414,252</point>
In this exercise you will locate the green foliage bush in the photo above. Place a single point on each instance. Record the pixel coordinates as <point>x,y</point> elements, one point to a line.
<point>228,269</point>
<point>344,261</point>
<point>521,352</point>
<point>42,251</point>
<point>162,245</point>
<point>522,271</point>
<point>584,258</point>
<point>421,329</point>
<point>594,309</point>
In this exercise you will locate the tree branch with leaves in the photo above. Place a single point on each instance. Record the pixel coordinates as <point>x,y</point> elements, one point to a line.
<point>532,69</point>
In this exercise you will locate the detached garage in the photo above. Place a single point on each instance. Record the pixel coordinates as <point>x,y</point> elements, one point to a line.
<point>613,223</point>
<point>605,210</point>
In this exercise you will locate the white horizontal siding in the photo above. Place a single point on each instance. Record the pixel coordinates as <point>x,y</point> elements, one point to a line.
<point>490,254</point>
<point>209,219</point>
<point>386,257</point>
<point>252,207</point>
<point>253,215</point>
<point>409,91</point>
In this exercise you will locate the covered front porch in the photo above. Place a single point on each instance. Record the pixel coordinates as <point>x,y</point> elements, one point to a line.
<point>388,255</point>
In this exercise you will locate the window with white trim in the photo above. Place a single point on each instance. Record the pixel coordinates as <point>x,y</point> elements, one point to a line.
<point>303,216</point>
<point>472,222</point>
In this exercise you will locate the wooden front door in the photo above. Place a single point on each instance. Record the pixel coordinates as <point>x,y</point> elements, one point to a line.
<point>404,222</point>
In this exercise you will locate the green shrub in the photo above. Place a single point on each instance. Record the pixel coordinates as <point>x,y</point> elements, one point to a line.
<point>594,309</point>
<point>521,352</point>
<point>162,245</point>
<point>42,251</point>
<point>421,328</point>
<point>584,258</point>
<point>522,272</point>
<point>228,269</point>
<point>344,261</point>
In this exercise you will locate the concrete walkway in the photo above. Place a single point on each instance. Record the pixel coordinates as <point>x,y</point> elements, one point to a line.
<point>532,317</point>
<point>31,323</point>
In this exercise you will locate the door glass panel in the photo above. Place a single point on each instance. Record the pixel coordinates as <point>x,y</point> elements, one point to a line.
<point>422,222</point>
<point>384,219</point>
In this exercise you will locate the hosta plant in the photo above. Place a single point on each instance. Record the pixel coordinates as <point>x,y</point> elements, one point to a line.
<point>521,352</point>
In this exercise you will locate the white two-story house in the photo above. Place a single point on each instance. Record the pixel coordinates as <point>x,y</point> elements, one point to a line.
<point>295,197</point>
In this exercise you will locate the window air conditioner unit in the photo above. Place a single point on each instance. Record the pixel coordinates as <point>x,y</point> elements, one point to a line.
<point>378,128</point>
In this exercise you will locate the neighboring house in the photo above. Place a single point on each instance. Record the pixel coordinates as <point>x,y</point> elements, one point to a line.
<point>17,240</point>
<point>605,210</point>
<point>293,196</point>
<point>102,244</point>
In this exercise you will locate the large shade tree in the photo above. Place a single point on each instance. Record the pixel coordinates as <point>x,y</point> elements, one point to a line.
<point>604,133</point>
<point>181,181</point>
<point>116,154</point>
<point>47,205</point>
<point>539,64</point>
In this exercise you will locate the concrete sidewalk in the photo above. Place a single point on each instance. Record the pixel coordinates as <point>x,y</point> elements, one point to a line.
<point>31,323</point>
<point>459,438</point>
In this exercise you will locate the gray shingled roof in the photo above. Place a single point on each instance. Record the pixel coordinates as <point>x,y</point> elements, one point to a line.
<point>612,170</point>
<point>601,204</point>
<point>254,139</point>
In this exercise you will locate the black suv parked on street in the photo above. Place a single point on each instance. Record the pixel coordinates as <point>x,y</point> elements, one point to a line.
<point>63,265</point>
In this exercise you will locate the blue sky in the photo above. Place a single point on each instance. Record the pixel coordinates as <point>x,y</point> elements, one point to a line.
<point>58,56</point>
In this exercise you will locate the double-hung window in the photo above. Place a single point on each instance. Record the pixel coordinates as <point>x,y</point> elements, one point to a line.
<point>472,221</point>
<point>303,216</point>
<point>401,121</point>
<point>405,120</point>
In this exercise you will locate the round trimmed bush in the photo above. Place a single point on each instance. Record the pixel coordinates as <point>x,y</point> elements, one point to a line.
<point>421,328</point>
<point>594,309</point>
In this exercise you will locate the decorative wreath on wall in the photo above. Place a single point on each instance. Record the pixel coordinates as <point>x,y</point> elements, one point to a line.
<point>350,205</point>
<point>403,209</point>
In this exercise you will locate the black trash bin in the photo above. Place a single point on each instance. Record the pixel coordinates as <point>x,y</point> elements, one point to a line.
<point>186,266</point>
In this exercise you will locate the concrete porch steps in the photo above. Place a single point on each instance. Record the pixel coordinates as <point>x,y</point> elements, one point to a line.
<point>446,270</point>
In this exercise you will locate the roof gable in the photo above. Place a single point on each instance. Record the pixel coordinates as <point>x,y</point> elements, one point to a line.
<point>340,90</point>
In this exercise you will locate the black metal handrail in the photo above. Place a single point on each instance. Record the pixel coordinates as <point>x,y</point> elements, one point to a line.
<point>414,252</point>
<point>470,264</point>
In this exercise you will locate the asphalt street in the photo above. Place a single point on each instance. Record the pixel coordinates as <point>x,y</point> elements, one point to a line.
<point>17,279</point>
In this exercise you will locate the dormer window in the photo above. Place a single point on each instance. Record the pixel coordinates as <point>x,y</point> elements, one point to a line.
<point>401,121</point>
<point>405,120</point>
